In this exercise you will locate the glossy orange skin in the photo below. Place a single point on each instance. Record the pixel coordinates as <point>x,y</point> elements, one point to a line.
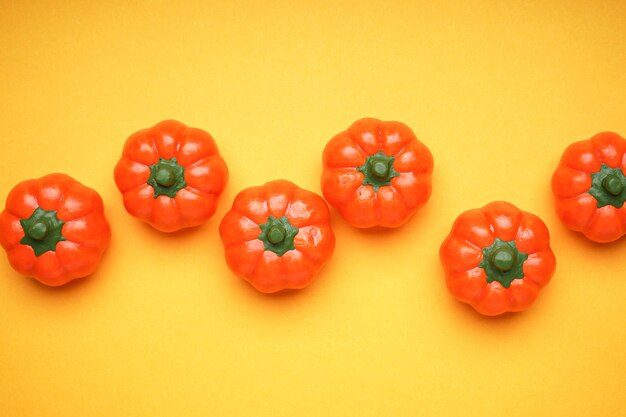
<point>245,253</point>
<point>206,175</point>
<point>571,181</point>
<point>86,229</point>
<point>461,253</point>
<point>392,205</point>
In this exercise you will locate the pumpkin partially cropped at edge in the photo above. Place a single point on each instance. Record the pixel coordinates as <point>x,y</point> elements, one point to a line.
<point>589,186</point>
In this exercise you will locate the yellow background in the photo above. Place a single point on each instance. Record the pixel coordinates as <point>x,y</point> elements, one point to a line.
<point>496,90</point>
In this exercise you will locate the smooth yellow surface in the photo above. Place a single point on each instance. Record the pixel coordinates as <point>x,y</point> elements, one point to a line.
<point>496,90</point>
